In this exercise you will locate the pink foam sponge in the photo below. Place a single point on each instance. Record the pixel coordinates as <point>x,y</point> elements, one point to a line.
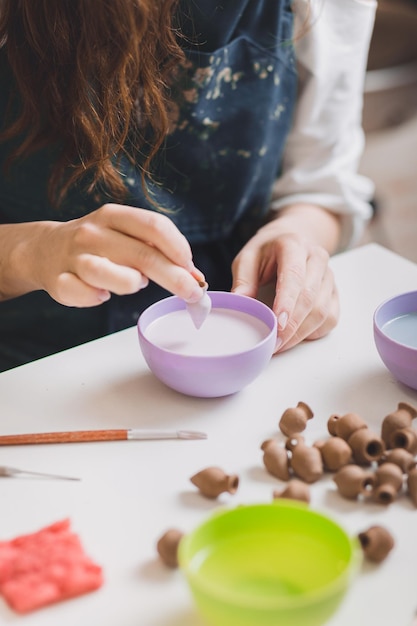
<point>45,567</point>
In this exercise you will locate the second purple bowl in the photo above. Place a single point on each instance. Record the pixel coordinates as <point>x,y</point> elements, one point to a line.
<point>209,374</point>
<point>395,334</point>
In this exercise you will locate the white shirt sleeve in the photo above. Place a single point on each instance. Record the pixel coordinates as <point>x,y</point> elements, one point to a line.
<point>324,147</point>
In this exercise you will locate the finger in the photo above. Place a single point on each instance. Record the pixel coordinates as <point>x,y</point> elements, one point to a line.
<point>291,263</point>
<point>330,320</point>
<point>321,319</point>
<point>157,267</point>
<point>245,272</point>
<point>126,251</point>
<point>299,283</point>
<point>72,291</point>
<point>102,273</point>
<point>147,260</point>
<point>150,226</point>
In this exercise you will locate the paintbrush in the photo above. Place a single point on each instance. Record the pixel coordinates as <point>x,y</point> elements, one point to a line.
<point>81,436</point>
<point>14,472</point>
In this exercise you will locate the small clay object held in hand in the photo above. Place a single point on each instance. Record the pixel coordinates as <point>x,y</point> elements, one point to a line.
<point>344,425</point>
<point>213,481</point>
<point>412,485</point>
<point>376,543</point>
<point>401,418</point>
<point>353,481</point>
<point>401,457</point>
<point>305,461</point>
<point>167,547</point>
<point>366,446</point>
<point>275,459</point>
<point>404,438</point>
<point>335,452</point>
<point>295,490</point>
<point>200,310</point>
<point>294,420</point>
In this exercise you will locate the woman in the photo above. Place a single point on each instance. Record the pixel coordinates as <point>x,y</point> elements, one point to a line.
<point>148,145</point>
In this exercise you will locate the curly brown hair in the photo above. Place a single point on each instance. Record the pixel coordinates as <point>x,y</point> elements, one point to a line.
<point>92,77</point>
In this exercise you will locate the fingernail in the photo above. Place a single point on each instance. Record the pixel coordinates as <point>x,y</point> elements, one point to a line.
<point>278,344</point>
<point>196,273</point>
<point>144,282</point>
<point>103,295</point>
<point>282,320</point>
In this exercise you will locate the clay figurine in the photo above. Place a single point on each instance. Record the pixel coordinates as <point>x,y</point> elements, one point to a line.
<point>213,481</point>
<point>404,438</point>
<point>305,461</point>
<point>295,490</point>
<point>344,425</point>
<point>353,481</point>
<point>366,446</point>
<point>401,457</point>
<point>389,473</point>
<point>389,482</point>
<point>385,494</point>
<point>167,546</point>
<point>376,543</point>
<point>335,452</point>
<point>294,420</point>
<point>276,459</point>
<point>401,418</point>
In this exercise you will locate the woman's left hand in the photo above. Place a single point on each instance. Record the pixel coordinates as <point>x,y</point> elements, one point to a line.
<point>287,253</point>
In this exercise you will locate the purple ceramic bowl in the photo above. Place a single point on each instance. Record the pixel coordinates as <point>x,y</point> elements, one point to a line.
<point>398,350</point>
<point>202,375</point>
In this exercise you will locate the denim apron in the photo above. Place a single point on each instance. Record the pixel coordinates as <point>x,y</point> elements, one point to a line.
<point>232,108</point>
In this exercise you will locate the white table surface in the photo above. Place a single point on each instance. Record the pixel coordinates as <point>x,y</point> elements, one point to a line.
<point>131,492</point>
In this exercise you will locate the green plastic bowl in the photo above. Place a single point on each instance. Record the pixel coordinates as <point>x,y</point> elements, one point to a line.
<point>276,564</point>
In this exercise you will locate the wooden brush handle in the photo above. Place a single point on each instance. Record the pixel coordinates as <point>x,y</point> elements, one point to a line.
<point>79,436</point>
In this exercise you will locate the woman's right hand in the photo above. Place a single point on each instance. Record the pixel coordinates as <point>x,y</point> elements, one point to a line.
<point>115,249</point>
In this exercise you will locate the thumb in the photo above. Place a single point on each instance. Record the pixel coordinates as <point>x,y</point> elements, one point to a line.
<point>245,274</point>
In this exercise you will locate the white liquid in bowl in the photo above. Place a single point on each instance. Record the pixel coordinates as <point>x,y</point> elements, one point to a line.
<point>403,329</point>
<point>224,332</point>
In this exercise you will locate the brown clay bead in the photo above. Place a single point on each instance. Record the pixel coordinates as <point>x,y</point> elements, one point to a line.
<point>305,461</point>
<point>295,490</point>
<point>167,546</point>
<point>353,481</point>
<point>412,485</point>
<point>376,543</point>
<point>344,425</point>
<point>335,453</point>
<point>401,457</point>
<point>276,459</point>
<point>389,473</point>
<point>401,418</point>
<point>404,438</point>
<point>389,481</point>
<point>213,481</point>
<point>366,446</point>
<point>384,494</point>
<point>294,420</point>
